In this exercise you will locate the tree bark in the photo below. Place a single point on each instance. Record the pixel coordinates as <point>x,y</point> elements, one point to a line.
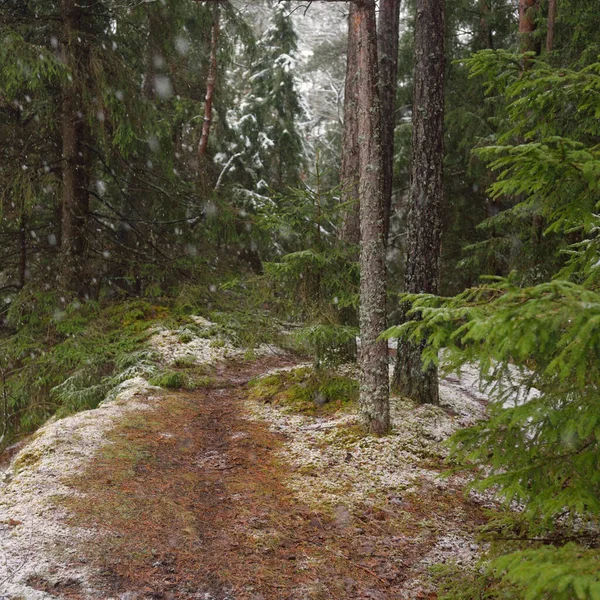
<point>551,24</point>
<point>426,191</point>
<point>350,231</point>
<point>23,249</point>
<point>527,24</point>
<point>373,359</point>
<point>151,52</point>
<point>210,83</point>
<point>388,34</point>
<point>75,197</point>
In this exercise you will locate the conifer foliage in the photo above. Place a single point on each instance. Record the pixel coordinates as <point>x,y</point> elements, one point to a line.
<point>537,347</point>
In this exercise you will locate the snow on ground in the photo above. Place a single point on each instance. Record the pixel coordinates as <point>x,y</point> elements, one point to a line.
<point>35,540</point>
<point>334,465</point>
<point>199,346</point>
<point>364,469</point>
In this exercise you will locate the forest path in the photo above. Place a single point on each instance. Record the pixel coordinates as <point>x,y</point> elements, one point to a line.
<point>189,500</point>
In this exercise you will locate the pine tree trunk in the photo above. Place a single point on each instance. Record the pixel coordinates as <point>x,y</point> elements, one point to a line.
<point>527,24</point>
<point>551,25</point>
<point>210,83</point>
<point>23,250</point>
<point>373,360</point>
<point>154,25</point>
<point>350,231</point>
<point>426,191</point>
<point>388,34</point>
<point>75,197</point>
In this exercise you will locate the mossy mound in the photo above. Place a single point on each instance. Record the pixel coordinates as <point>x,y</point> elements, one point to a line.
<point>307,391</point>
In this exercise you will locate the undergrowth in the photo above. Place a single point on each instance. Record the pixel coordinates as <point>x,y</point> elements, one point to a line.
<point>62,355</point>
<point>307,391</point>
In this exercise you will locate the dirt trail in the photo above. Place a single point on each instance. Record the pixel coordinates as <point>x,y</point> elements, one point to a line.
<point>189,501</point>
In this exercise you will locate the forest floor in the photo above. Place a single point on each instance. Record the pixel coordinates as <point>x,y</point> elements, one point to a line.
<point>214,494</point>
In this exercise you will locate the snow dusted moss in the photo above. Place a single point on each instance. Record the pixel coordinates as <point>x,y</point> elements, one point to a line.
<point>336,467</point>
<point>36,540</point>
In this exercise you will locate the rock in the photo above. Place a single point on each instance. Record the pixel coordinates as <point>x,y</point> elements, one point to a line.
<point>320,399</point>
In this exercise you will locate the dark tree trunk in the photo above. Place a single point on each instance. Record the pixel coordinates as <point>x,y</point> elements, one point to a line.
<point>485,39</point>
<point>551,24</point>
<point>388,34</point>
<point>426,191</point>
<point>350,231</point>
<point>373,359</point>
<point>527,25</point>
<point>210,83</point>
<point>151,52</point>
<point>75,197</point>
<point>22,250</point>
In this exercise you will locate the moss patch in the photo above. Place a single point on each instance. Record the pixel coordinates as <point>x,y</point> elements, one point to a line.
<point>307,391</point>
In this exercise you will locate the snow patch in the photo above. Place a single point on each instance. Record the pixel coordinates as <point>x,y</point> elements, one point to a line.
<point>36,540</point>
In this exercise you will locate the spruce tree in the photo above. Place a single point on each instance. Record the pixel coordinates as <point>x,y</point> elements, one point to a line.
<point>536,346</point>
<point>269,145</point>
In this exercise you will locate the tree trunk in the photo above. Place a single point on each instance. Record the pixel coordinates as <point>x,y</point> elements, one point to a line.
<point>527,24</point>
<point>551,24</point>
<point>350,231</point>
<point>75,197</point>
<point>426,191</point>
<point>373,359</point>
<point>210,83</point>
<point>388,34</point>
<point>23,249</point>
<point>485,37</point>
<point>152,50</point>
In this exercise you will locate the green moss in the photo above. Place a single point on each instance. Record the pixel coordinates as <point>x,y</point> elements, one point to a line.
<point>68,355</point>
<point>185,362</point>
<point>346,436</point>
<point>308,391</point>
<point>170,380</point>
<point>27,458</point>
<point>457,582</point>
<point>202,382</point>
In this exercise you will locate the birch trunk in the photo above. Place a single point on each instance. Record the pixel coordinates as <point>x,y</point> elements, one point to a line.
<point>210,83</point>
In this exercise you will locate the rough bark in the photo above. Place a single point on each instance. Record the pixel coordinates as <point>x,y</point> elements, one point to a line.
<point>551,25</point>
<point>388,34</point>
<point>210,83</point>
<point>485,37</point>
<point>23,249</point>
<point>373,360</point>
<point>350,231</point>
<point>426,191</point>
<point>527,24</point>
<point>151,52</point>
<point>75,196</point>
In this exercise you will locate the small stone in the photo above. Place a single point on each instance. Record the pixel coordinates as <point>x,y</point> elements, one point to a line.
<point>320,399</point>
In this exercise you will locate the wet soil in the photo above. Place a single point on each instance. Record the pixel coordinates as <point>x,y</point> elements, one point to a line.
<point>189,501</point>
